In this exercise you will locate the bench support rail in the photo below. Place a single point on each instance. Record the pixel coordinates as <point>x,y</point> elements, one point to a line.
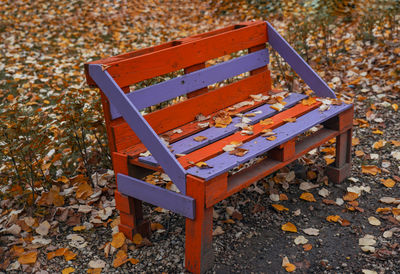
<point>155,195</point>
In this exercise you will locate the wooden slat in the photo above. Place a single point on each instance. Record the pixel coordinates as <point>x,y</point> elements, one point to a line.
<point>260,145</point>
<point>188,144</point>
<point>184,84</point>
<point>186,111</point>
<point>136,69</point>
<point>214,149</point>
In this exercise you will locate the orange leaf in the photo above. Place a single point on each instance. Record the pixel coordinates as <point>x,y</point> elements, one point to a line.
<point>283,197</point>
<point>344,222</point>
<point>307,247</point>
<point>396,211</point>
<point>379,144</point>
<point>333,218</point>
<point>280,207</point>
<point>68,270</point>
<point>350,196</point>
<point>311,175</point>
<point>329,160</point>
<point>17,250</point>
<point>388,182</point>
<point>137,239</point>
<point>120,258</point>
<point>28,258</point>
<point>271,138</point>
<point>383,209</point>
<point>309,101</point>
<point>156,226</point>
<point>84,191</point>
<point>94,270</point>
<point>395,107</point>
<point>395,143</point>
<point>133,260</point>
<point>69,255</point>
<point>118,240</point>
<point>307,196</point>
<point>266,122</point>
<point>290,267</point>
<point>373,170</point>
<point>290,120</point>
<point>359,153</point>
<point>79,228</point>
<point>203,165</point>
<point>199,138</point>
<point>289,227</point>
<point>355,141</point>
<point>377,131</point>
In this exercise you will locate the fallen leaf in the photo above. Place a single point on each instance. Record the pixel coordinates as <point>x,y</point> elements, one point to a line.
<point>43,228</point>
<point>290,120</point>
<point>309,101</point>
<point>271,138</point>
<point>333,218</point>
<point>218,231</point>
<point>199,138</point>
<point>379,144</point>
<point>67,270</point>
<point>240,152</point>
<point>137,239</point>
<point>323,192</point>
<point>277,106</point>
<point>367,240</point>
<point>97,264</point>
<point>287,265</point>
<point>359,153</point>
<point>350,196</point>
<point>156,226</point>
<point>307,247</point>
<point>28,258</point>
<point>222,119</point>
<point>117,241</point>
<point>84,191</point>
<point>280,207</point>
<point>69,255</point>
<point>373,170</point>
<point>266,122</point>
<point>300,240</point>
<point>387,200</point>
<point>388,183</point>
<point>355,141</point>
<point>120,258</point>
<point>203,165</point>
<point>374,221</point>
<point>395,107</point>
<point>395,143</point>
<point>289,227</point>
<point>311,231</point>
<point>307,196</point>
<point>79,228</point>
<point>94,271</point>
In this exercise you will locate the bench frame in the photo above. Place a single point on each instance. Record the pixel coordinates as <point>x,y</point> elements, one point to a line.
<point>197,196</point>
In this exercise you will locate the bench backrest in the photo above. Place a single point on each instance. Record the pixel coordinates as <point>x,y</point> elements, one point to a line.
<point>189,53</point>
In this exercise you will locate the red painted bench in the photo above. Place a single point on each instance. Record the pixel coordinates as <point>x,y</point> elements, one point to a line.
<point>245,116</point>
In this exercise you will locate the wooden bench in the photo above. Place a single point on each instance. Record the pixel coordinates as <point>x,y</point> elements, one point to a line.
<point>245,116</point>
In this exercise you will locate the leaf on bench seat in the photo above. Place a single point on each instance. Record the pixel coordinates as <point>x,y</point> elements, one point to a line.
<point>203,165</point>
<point>222,119</point>
<point>240,152</point>
<point>199,138</point>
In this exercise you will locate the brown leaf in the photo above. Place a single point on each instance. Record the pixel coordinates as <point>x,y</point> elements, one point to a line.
<point>307,247</point>
<point>266,122</point>
<point>137,239</point>
<point>203,165</point>
<point>290,120</point>
<point>199,138</point>
<point>84,191</point>
<point>240,152</point>
<point>120,258</point>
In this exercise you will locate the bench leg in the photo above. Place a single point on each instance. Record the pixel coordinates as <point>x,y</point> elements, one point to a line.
<point>341,168</point>
<point>131,212</point>
<point>199,256</point>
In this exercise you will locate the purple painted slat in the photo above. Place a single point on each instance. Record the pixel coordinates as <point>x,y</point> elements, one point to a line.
<point>140,126</point>
<point>309,76</point>
<point>155,195</point>
<point>260,145</point>
<point>213,134</point>
<point>181,85</point>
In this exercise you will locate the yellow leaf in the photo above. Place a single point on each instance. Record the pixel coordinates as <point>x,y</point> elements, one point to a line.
<point>373,170</point>
<point>333,218</point>
<point>377,131</point>
<point>68,270</point>
<point>79,228</point>
<point>307,196</point>
<point>350,196</point>
<point>120,258</point>
<point>289,227</point>
<point>290,267</point>
<point>202,165</point>
<point>84,191</point>
<point>137,239</point>
<point>118,240</point>
<point>28,258</point>
<point>271,138</point>
<point>309,101</point>
<point>388,182</point>
<point>280,207</point>
<point>58,252</point>
<point>329,160</point>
